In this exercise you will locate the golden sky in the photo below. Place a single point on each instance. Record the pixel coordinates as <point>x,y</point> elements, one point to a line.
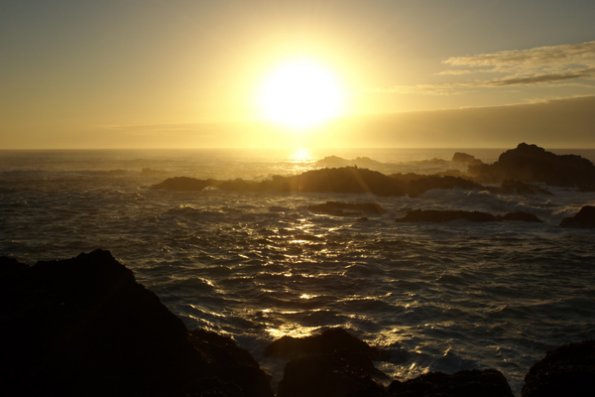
<point>149,74</point>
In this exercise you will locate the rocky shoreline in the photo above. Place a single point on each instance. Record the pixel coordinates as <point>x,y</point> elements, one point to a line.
<point>84,326</point>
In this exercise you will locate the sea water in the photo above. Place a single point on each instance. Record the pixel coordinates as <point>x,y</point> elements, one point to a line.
<point>437,297</point>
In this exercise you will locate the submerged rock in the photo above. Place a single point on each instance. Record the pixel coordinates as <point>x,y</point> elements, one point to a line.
<point>347,209</point>
<point>584,219</point>
<point>85,327</point>
<point>473,383</point>
<point>567,371</point>
<point>471,216</point>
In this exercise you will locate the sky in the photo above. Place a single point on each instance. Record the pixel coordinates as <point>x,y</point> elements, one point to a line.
<point>172,73</point>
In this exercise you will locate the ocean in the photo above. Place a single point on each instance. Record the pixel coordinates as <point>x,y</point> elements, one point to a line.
<point>437,297</point>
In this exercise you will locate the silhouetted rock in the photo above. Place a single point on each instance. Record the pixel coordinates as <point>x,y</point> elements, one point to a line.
<point>347,209</point>
<point>330,375</point>
<point>85,327</point>
<point>473,383</point>
<point>329,180</point>
<point>332,363</point>
<point>465,158</point>
<point>530,163</point>
<point>330,341</point>
<point>337,162</point>
<point>568,371</point>
<point>471,216</point>
<point>584,219</point>
<point>183,183</point>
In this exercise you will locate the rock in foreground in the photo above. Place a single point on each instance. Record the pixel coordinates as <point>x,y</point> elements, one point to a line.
<point>568,371</point>
<point>584,219</point>
<point>333,363</point>
<point>473,383</point>
<point>85,327</point>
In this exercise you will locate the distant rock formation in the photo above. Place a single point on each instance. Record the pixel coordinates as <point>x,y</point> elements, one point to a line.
<point>566,371</point>
<point>530,163</point>
<point>473,383</point>
<point>471,216</point>
<point>465,158</point>
<point>338,208</point>
<point>183,183</point>
<point>584,219</point>
<point>84,327</point>
<point>337,162</point>
<point>330,180</point>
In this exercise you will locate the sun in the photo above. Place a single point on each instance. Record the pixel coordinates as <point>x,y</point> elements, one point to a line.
<point>301,94</point>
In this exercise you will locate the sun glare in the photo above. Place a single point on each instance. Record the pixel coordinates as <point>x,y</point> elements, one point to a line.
<point>301,94</point>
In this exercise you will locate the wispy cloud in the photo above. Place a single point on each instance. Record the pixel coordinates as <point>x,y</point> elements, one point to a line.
<point>566,64</point>
<point>538,65</point>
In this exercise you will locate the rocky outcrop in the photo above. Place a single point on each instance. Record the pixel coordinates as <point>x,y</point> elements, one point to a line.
<point>337,208</point>
<point>473,383</point>
<point>329,341</point>
<point>333,363</point>
<point>85,327</point>
<point>329,180</point>
<point>566,371</point>
<point>584,219</point>
<point>471,216</point>
<point>530,163</point>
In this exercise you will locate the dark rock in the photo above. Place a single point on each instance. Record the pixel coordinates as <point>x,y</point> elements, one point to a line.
<point>230,363</point>
<point>332,363</point>
<point>183,183</point>
<point>329,180</point>
<point>84,326</point>
<point>471,216</point>
<point>347,209</point>
<point>530,163</point>
<point>344,374</point>
<point>568,371</point>
<point>584,219</point>
<point>465,158</point>
<point>473,383</point>
<point>330,341</point>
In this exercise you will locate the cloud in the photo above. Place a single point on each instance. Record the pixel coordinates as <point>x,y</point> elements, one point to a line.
<point>547,57</point>
<point>538,65</point>
<point>565,64</point>
<point>543,78</point>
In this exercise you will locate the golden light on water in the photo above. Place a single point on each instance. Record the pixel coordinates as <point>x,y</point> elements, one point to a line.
<point>300,94</point>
